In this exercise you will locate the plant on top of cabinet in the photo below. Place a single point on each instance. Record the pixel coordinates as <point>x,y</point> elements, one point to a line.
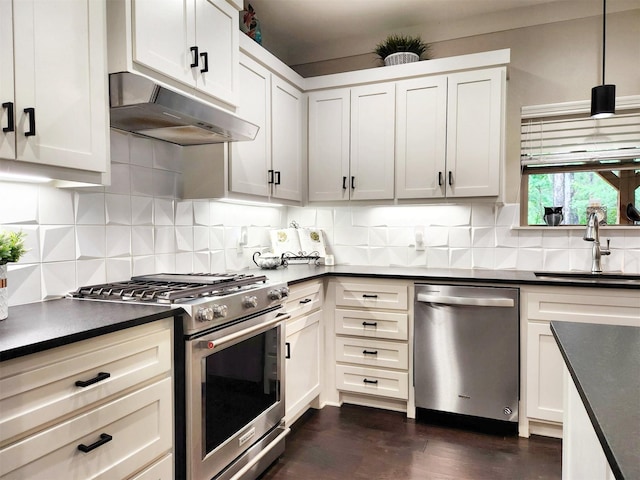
<point>398,48</point>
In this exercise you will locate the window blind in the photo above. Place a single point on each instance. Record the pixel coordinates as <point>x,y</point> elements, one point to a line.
<point>572,140</point>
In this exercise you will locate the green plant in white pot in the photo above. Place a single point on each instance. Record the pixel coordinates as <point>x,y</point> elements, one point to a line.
<point>11,249</point>
<point>398,48</point>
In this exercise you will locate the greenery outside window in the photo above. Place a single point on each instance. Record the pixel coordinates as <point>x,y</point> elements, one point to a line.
<point>572,161</point>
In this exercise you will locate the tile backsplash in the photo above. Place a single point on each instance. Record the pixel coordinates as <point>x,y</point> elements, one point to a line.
<point>139,224</point>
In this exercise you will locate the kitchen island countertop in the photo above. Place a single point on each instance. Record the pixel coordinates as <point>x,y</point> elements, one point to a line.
<point>604,363</point>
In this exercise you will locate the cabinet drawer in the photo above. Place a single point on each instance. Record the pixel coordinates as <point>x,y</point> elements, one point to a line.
<point>141,431</point>
<point>372,295</point>
<point>372,324</point>
<point>374,353</point>
<point>372,381</point>
<point>40,388</point>
<point>161,470</point>
<point>304,298</point>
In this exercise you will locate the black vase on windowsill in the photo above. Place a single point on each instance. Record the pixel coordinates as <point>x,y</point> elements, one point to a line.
<point>553,216</point>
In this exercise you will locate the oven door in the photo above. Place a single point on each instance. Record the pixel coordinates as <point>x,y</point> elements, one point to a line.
<point>235,390</point>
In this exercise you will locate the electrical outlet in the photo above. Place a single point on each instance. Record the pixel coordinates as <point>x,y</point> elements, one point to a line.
<point>419,237</point>
<point>242,239</point>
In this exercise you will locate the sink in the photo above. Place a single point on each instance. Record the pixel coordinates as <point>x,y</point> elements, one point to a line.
<point>590,276</point>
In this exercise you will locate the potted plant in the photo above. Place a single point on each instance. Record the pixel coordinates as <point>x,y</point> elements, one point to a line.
<point>397,49</point>
<point>11,249</point>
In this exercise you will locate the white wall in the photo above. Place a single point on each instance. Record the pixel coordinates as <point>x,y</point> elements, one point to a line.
<point>464,235</point>
<point>135,226</point>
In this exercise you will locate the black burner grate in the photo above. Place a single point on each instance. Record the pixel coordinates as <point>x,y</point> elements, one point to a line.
<point>169,287</point>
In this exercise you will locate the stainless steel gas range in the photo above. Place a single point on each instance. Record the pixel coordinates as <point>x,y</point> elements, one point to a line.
<point>233,394</point>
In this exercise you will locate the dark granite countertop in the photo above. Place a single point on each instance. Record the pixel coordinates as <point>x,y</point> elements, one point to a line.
<point>604,362</point>
<point>299,273</point>
<point>39,326</point>
<point>42,325</point>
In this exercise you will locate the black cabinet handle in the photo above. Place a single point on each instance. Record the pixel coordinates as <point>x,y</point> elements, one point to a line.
<point>367,352</point>
<point>306,300</point>
<point>31,112</point>
<point>10,123</point>
<point>98,378</point>
<point>269,177</point>
<point>104,438</point>
<point>369,324</point>
<point>353,182</point>
<point>440,179</point>
<point>450,177</point>
<point>372,382</point>
<point>287,350</point>
<point>344,183</point>
<point>205,58</point>
<point>277,180</point>
<point>195,58</point>
<point>369,295</point>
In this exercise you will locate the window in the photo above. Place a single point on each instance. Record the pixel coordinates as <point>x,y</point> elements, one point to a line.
<point>572,161</point>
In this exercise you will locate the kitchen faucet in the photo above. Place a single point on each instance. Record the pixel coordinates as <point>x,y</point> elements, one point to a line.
<point>592,234</point>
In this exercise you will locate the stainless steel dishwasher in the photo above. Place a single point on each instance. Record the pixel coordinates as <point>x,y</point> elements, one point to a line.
<point>466,350</point>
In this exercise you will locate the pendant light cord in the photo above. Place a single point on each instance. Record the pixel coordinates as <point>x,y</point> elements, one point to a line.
<point>604,36</point>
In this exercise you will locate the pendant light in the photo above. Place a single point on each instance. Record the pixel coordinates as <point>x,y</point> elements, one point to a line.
<point>603,97</point>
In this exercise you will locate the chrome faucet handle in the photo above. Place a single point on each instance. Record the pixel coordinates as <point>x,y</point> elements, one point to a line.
<point>606,251</point>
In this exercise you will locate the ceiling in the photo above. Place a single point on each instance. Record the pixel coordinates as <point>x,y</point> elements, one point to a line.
<point>305,31</point>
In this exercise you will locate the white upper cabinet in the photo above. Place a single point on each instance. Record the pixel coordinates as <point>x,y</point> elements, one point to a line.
<point>329,130</point>
<point>421,137</point>
<point>424,130</point>
<point>196,45</point>
<point>270,165</point>
<point>250,162</point>
<point>286,140</point>
<point>475,132</point>
<point>351,143</point>
<point>53,86</point>
<point>450,134</point>
<point>372,142</point>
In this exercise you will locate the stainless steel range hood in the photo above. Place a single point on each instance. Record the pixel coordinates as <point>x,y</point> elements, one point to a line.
<point>139,105</point>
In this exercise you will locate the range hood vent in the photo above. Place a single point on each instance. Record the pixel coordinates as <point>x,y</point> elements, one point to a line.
<point>139,105</point>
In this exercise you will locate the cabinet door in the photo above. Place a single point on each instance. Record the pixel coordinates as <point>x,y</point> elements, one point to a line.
<point>8,138</point>
<point>329,145</point>
<point>286,140</point>
<point>372,142</point>
<point>166,49</point>
<point>250,161</point>
<point>60,73</point>
<point>544,374</point>
<point>474,132</point>
<point>302,364</point>
<point>217,39</point>
<point>421,137</point>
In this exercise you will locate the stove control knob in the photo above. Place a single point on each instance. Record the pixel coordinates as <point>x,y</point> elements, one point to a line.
<point>250,301</point>
<point>284,291</point>
<point>204,314</point>
<point>275,294</point>
<point>219,311</point>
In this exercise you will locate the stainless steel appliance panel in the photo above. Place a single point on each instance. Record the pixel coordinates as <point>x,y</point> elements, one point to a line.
<point>466,350</point>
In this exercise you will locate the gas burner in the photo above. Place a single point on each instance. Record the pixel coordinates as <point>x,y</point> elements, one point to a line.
<point>170,288</point>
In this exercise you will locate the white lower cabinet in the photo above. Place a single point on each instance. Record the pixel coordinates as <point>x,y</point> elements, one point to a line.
<point>303,348</point>
<point>543,366</point>
<point>582,454</point>
<point>371,326</point>
<point>110,441</point>
<point>98,408</point>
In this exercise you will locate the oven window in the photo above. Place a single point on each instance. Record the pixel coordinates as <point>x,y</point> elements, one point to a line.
<point>241,383</point>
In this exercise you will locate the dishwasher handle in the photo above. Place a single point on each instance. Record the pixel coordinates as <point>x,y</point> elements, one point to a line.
<point>471,301</point>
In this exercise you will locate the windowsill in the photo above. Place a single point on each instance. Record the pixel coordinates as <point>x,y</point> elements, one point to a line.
<point>574,227</point>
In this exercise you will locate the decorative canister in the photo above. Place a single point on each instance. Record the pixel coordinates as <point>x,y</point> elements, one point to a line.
<point>4,293</point>
<point>400,58</point>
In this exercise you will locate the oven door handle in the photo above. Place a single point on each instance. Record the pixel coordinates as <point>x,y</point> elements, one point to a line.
<point>248,331</point>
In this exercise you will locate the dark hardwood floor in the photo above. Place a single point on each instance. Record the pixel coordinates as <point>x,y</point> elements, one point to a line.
<point>355,442</point>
